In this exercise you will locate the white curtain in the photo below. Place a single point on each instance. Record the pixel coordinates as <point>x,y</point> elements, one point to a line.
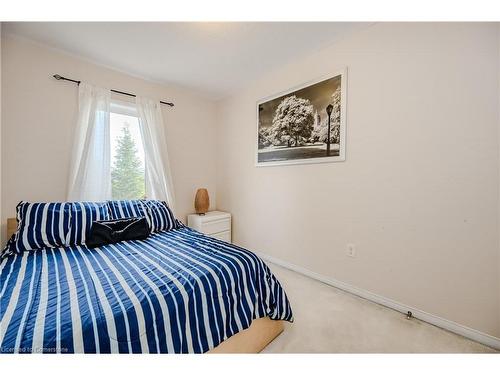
<point>90,171</point>
<point>158,177</point>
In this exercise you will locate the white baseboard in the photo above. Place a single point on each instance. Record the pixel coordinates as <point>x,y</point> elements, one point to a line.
<point>448,325</point>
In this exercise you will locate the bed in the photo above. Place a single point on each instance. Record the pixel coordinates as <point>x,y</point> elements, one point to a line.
<point>175,292</point>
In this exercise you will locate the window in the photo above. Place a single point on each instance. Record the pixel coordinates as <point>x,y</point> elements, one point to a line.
<point>129,137</point>
<point>127,153</point>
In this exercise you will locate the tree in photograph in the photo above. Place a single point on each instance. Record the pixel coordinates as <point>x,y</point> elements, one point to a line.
<point>292,123</point>
<point>264,138</point>
<point>320,131</point>
<point>127,173</point>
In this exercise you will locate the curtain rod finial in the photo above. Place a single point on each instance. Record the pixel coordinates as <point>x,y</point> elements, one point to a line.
<point>57,76</point>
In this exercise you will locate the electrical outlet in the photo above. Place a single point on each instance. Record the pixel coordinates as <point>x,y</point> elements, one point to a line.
<point>351,250</point>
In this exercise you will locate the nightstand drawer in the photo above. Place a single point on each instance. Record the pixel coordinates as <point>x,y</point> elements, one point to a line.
<point>216,226</point>
<point>224,236</point>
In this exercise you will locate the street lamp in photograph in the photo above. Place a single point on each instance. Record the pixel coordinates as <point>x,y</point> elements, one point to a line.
<point>329,110</point>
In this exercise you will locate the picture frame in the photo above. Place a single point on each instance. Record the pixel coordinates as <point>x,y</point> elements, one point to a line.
<point>292,125</point>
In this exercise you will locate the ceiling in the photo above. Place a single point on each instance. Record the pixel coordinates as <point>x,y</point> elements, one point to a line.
<point>211,57</point>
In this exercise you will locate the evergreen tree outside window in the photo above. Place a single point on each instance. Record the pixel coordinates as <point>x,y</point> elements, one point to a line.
<point>127,158</point>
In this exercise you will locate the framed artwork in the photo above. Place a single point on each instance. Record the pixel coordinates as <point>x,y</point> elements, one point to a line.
<point>305,124</point>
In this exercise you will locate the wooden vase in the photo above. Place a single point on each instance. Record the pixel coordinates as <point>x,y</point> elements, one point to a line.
<point>201,201</point>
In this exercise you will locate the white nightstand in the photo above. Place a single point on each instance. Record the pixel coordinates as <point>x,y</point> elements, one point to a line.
<point>215,224</point>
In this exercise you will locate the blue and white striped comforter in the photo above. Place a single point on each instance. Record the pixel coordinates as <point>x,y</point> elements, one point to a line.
<point>176,292</point>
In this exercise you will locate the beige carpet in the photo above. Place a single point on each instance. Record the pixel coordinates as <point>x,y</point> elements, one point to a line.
<point>329,320</point>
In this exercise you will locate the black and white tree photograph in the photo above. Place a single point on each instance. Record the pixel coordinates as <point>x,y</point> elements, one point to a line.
<point>306,125</point>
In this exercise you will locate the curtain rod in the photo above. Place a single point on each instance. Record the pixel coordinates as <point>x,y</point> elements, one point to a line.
<point>61,78</point>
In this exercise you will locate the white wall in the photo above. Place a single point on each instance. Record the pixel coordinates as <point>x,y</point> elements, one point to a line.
<point>39,115</point>
<point>418,193</point>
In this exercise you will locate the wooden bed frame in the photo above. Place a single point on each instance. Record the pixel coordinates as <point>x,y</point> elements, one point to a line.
<point>11,226</point>
<point>251,340</point>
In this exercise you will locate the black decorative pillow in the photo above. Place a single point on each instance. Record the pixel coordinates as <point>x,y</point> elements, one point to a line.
<point>112,231</point>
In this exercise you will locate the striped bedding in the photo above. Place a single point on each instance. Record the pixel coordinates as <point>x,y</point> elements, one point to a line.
<point>176,292</point>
